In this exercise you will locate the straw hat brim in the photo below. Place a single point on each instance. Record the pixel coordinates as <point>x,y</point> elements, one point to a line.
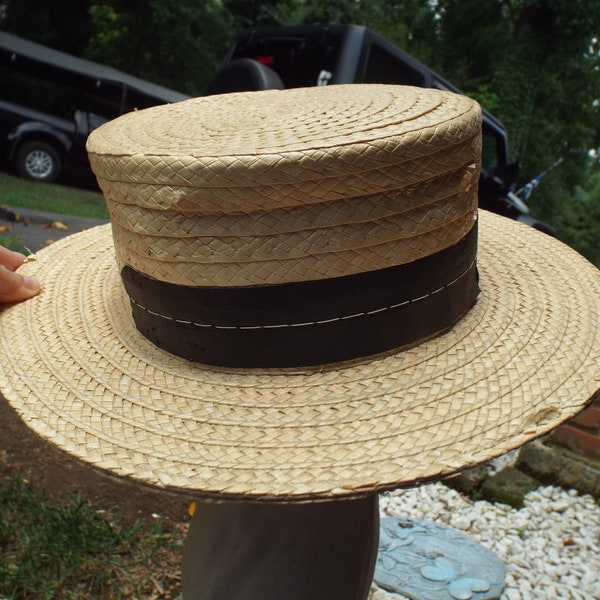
<point>524,359</point>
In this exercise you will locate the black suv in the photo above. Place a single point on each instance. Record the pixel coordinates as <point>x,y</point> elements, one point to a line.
<point>312,55</point>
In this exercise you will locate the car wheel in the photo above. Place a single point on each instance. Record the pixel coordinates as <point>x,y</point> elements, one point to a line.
<point>38,161</point>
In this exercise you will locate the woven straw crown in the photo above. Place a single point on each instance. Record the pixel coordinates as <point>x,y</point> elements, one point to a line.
<point>279,187</point>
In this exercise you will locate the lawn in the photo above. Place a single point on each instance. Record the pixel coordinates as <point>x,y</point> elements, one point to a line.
<point>72,550</point>
<point>50,197</point>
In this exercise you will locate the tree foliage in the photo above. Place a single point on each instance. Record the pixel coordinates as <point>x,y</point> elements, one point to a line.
<point>179,44</point>
<point>547,86</point>
<point>65,26</point>
<point>535,64</point>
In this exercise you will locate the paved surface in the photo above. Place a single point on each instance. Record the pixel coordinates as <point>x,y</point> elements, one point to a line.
<point>35,230</point>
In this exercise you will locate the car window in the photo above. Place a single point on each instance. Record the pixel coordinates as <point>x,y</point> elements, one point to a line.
<point>300,61</point>
<point>383,67</point>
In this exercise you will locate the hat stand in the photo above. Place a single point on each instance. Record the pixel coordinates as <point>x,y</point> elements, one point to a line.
<point>251,550</point>
<point>329,550</point>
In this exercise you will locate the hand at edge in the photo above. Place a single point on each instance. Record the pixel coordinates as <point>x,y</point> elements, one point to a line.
<point>15,287</point>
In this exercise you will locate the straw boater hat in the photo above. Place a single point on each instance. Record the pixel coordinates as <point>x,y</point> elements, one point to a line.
<point>299,307</point>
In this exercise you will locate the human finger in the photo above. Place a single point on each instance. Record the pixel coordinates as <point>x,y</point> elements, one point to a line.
<point>15,287</point>
<point>10,259</point>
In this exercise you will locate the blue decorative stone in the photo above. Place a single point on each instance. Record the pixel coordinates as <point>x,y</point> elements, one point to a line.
<point>424,560</point>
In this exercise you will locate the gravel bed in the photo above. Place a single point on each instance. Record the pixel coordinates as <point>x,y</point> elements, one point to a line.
<point>551,546</point>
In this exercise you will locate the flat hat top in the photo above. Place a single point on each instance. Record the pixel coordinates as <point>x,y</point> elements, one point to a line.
<point>277,148</point>
<point>275,121</point>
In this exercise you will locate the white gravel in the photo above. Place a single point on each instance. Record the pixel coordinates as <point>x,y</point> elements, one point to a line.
<point>551,547</point>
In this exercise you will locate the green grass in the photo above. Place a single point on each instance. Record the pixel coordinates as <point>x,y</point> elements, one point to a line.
<point>12,242</point>
<point>16,192</point>
<point>72,550</point>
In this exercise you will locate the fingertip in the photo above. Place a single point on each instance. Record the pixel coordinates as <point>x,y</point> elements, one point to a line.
<point>31,284</point>
<point>15,287</point>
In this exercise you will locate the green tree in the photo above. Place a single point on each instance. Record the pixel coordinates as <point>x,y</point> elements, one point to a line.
<point>581,218</point>
<point>177,44</point>
<point>535,64</point>
<point>471,36</point>
<point>408,23</point>
<point>250,13</point>
<point>64,25</point>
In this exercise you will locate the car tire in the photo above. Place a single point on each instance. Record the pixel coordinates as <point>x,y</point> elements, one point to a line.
<point>38,161</point>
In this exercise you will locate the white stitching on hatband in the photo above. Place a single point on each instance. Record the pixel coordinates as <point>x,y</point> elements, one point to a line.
<point>363,314</point>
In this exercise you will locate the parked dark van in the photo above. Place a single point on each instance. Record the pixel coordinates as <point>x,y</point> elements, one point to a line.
<point>50,102</point>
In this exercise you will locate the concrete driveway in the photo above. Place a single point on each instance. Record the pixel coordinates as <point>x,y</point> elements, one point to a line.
<point>34,230</point>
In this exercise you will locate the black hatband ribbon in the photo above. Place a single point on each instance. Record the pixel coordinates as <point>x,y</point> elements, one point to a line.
<point>310,322</point>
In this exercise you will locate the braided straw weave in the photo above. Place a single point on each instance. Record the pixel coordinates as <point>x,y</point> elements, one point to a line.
<point>305,184</point>
<point>271,187</point>
<point>521,361</point>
